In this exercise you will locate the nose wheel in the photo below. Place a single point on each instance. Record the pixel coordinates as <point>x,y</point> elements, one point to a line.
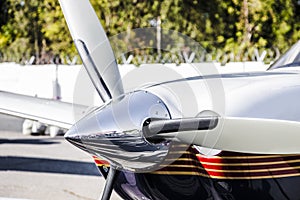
<point>109,185</point>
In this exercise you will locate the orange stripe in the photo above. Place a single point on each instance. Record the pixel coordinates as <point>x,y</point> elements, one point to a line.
<point>246,166</point>
<point>100,162</point>
<point>234,168</point>
<point>250,156</point>
<point>191,173</point>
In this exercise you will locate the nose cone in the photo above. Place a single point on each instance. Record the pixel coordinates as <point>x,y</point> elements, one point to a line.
<point>114,131</point>
<point>85,127</point>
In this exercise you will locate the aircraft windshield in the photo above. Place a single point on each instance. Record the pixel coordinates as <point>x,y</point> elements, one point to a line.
<point>290,59</point>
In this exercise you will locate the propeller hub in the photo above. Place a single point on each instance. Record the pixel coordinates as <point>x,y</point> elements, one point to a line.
<point>114,132</point>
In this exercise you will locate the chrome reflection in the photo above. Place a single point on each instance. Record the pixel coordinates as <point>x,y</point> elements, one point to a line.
<point>114,132</point>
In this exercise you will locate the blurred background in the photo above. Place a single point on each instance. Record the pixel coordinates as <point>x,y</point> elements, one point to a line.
<point>35,32</point>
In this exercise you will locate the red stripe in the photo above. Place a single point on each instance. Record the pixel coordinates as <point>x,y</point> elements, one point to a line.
<point>219,166</point>
<point>100,161</point>
<point>249,159</point>
<point>251,174</point>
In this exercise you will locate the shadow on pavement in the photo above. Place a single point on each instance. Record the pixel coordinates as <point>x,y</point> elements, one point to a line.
<point>46,165</point>
<point>26,141</point>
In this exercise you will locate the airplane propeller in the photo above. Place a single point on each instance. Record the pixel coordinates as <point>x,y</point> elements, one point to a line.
<point>93,47</point>
<point>134,131</point>
<point>97,56</point>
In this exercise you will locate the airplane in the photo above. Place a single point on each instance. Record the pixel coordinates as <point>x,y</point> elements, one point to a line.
<point>216,136</point>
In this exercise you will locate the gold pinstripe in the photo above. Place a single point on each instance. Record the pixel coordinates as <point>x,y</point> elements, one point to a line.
<point>101,165</point>
<point>246,157</point>
<point>195,173</point>
<point>252,164</point>
<point>235,171</point>
<point>224,177</point>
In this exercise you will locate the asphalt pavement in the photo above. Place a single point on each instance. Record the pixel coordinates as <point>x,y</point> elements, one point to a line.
<point>41,167</point>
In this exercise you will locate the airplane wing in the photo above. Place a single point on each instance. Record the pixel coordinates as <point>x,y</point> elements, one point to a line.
<point>46,111</point>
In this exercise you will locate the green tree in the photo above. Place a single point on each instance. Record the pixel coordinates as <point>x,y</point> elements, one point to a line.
<point>21,35</point>
<point>38,28</point>
<point>56,37</point>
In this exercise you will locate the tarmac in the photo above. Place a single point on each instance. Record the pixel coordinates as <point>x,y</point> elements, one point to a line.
<point>42,167</point>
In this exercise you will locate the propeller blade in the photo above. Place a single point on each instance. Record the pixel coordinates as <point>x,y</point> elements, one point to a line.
<point>93,47</point>
<point>154,128</point>
<point>248,135</point>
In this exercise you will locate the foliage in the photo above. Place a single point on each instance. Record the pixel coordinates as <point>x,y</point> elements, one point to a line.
<point>37,28</point>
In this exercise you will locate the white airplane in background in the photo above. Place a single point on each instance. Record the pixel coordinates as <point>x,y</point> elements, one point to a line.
<point>153,140</point>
